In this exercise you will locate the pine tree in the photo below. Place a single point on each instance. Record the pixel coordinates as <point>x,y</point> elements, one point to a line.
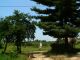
<point>59,22</point>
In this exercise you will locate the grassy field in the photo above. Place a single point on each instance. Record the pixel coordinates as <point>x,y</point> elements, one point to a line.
<point>11,52</point>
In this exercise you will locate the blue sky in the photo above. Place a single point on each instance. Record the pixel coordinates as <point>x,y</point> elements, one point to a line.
<point>6,11</point>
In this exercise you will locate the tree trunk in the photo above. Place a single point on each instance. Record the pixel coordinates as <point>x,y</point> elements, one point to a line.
<point>5,47</point>
<point>18,47</point>
<point>66,43</point>
<point>72,42</point>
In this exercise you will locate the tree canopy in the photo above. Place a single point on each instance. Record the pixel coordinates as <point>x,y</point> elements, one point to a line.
<point>58,22</point>
<point>16,28</point>
<point>60,19</point>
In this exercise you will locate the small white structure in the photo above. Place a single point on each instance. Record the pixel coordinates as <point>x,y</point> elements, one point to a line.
<point>40,45</point>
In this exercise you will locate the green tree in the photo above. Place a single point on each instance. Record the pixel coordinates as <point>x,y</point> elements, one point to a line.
<point>58,19</point>
<point>5,31</point>
<point>22,26</point>
<point>17,27</point>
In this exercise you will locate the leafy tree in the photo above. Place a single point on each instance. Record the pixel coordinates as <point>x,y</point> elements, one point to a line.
<point>17,27</point>
<point>5,31</point>
<point>58,19</point>
<point>22,26</point>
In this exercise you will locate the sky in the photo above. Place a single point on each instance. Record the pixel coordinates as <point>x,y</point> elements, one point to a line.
<point>7,8</point>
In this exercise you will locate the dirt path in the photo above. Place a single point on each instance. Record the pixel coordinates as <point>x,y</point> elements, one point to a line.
<point>43,57</point>
<point>40,56</point>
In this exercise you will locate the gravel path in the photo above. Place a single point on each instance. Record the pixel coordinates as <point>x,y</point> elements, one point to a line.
<point>40,57</point>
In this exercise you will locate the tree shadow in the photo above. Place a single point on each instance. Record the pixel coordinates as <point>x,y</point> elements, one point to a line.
<point>60,49</point>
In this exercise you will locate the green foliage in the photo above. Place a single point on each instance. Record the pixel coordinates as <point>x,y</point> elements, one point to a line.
<point>60,19</point>
<point>16,28</point>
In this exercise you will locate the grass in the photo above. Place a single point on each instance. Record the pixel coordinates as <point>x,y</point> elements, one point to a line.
<point>12,57</point>
<point>11,52</point>
<point>32,49</point>
<point>77,46</point>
